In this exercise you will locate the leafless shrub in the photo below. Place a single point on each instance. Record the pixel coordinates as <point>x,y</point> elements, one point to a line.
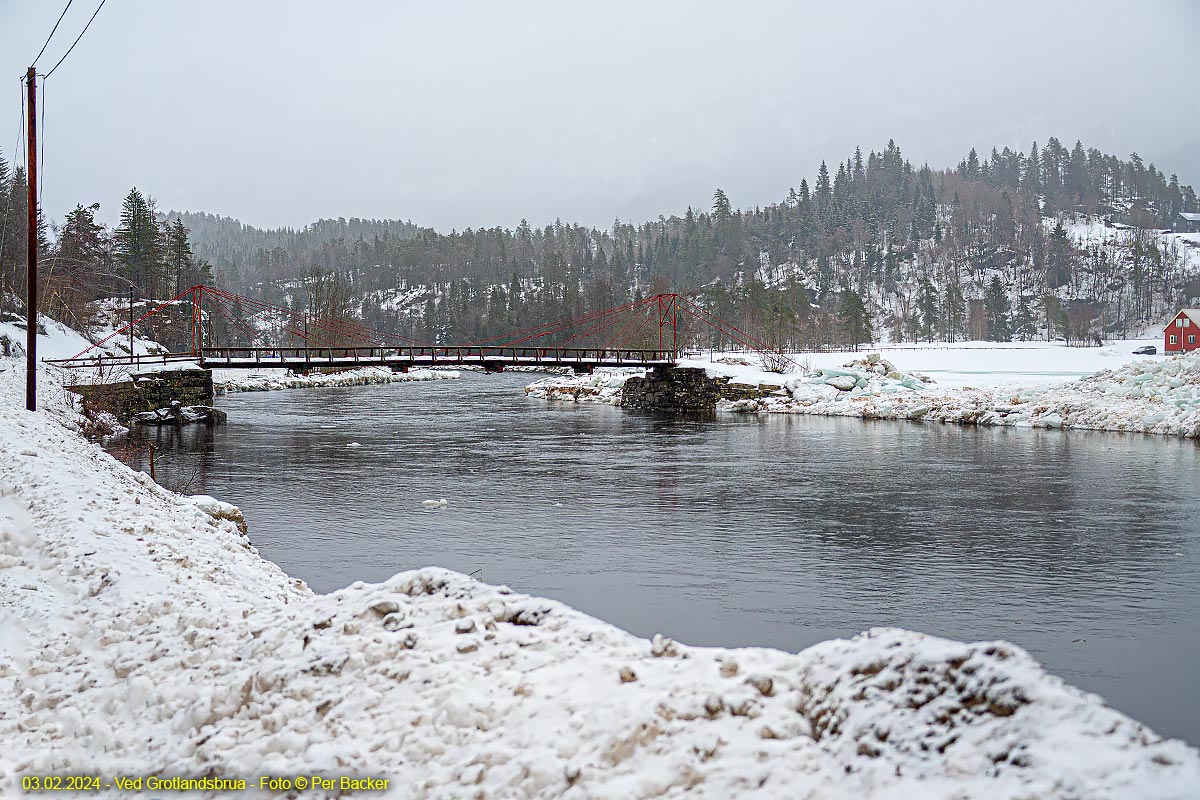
<point>776,361</point>
<point>183,482</point>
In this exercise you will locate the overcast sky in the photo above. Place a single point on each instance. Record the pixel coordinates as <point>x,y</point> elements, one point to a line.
<point>457,114</point>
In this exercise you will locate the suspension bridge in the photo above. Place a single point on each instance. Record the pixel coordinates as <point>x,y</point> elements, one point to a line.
<point>278,337</point>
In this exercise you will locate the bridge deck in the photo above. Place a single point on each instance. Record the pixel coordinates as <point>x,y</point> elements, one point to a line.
<point>397,358</point>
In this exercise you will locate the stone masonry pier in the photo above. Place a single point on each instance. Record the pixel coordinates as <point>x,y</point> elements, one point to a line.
<point>147,391</point>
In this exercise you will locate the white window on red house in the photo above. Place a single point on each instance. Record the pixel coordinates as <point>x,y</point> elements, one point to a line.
<point>1174,339</point>
<point>1192,338</point>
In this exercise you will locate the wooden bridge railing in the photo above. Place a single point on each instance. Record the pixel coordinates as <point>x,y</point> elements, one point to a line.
<point>400,355</point>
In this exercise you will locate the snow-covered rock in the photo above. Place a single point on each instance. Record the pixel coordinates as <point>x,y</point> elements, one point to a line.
<point>177,414</point>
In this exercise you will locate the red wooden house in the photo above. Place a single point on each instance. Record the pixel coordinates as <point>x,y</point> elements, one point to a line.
<point>1182,333</point>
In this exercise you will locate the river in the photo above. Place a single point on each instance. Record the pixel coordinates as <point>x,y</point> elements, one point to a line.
<point>780,531</point>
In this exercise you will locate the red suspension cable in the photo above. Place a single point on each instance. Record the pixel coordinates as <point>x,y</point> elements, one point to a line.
<point>133,324</point>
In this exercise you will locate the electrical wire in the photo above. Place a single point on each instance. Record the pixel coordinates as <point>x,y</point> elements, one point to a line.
<point>52,30</point>
<point>80,36</point>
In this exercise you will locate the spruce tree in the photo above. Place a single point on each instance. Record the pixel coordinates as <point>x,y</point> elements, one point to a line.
<point>137,243</point>
<point>853,320</point>
<point>178,253</point>
<point>824,190</point>
<point>955,309</point>
<point>1058,258</point>
<point>721,208</point>
<point>1031,180</point>
<point>997,306</point>
<point>1024,322</point>
<point>927,305</point>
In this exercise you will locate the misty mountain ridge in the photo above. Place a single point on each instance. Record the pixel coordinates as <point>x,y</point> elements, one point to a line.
<point>972,251</point>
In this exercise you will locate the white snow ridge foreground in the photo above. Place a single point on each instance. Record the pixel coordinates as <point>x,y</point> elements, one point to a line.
<point>142,634</point>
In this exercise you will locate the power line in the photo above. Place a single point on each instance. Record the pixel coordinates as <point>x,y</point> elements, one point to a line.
<point>52,30</point>
<point>42,155</point>
<point>80,36</point>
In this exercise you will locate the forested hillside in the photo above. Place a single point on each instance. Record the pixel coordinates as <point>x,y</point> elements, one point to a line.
<point>1055,242</point>
<point>874,246</point>
<point>235,248</point>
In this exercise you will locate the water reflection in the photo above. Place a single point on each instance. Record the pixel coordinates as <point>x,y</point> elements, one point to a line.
<point>781,531</point>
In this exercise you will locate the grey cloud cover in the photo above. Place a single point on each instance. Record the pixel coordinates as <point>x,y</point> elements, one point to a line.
<point>481,113</point>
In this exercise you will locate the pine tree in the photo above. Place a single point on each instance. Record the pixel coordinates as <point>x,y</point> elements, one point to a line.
<point>1058,258</point>
<point>853,320</point>
<point>721,208</point>
<point>1024,322</point>
<point>1031,181</point>
<point>927,305</point>
<point>971,167</point>
<point>997,306</point>
<point>824,191</point>
<point>955,308</point>
<point>82,246</point>
<point>137,243</point>
<point>178,253</point>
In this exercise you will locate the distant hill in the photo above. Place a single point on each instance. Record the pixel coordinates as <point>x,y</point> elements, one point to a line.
<point>1002,245</point>
<point>230,245</point>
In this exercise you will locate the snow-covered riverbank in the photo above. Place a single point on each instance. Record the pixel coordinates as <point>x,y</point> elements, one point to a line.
<point>141,633</point>
<point>1159,395</point>
<point>228,381</point>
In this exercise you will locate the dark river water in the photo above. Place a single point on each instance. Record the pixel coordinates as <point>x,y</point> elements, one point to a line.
<point>782,531</point>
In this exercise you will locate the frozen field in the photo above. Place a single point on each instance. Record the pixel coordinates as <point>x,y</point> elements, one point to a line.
<point>984,364</point>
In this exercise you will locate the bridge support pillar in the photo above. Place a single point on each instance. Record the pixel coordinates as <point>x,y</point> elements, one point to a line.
<point>676,389</point>
<point>147,391</point>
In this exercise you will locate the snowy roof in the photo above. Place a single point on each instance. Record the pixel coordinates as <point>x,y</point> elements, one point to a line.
<point>1192,313</point>
<point>1190,216</point>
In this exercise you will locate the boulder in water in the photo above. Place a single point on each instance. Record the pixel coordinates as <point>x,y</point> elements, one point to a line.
<point>177,414</point>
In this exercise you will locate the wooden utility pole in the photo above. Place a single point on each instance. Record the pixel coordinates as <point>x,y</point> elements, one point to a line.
<point>31,292</point>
